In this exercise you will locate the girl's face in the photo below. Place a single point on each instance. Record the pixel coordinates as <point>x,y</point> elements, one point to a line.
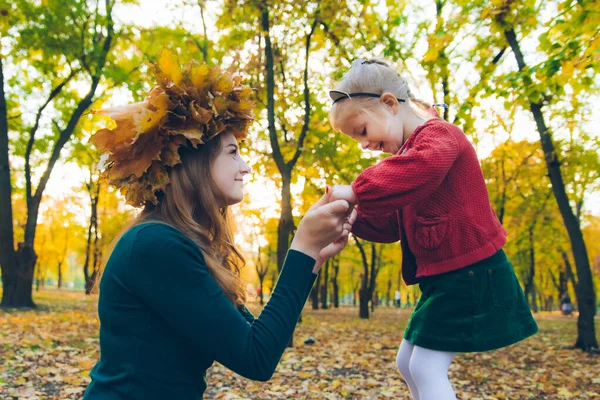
<point>376,129</point>
<point>228,171</point>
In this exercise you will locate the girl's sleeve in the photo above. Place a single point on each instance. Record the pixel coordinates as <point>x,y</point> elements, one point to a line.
<point>407,178</point>
<point>379,229</point>
<point>168,271</point>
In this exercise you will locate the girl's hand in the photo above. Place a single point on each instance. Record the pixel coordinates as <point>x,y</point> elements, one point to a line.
<point>324,223</point>
<point>344,192</point>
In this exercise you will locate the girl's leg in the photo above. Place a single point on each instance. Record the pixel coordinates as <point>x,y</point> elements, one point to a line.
<point>403,362</point>
<point>429,370</point>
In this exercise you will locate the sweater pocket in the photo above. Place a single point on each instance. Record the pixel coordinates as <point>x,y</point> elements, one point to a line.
<point>431,232</point>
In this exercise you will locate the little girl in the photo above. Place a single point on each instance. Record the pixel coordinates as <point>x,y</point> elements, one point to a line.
<point>431,195</point>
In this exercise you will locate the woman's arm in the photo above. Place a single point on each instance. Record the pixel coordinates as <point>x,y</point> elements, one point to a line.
<point>167,271</point>
<point>247,314</point>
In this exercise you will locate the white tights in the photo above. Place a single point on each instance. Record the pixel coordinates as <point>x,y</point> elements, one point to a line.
<point>425,371</point>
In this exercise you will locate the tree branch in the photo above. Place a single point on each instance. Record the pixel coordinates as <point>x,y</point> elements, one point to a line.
<point>300,146</point>
<point>66,133</point>
<point>55,92</point>
<point>265,28</point>
<point>204,46</point>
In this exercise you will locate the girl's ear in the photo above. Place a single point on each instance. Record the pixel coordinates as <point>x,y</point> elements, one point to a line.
<point>390,100</point>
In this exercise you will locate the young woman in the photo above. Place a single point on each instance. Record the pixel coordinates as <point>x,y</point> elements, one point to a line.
<point>171,298</point>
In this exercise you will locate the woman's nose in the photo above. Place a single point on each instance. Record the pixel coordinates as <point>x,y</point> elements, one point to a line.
<point>245,168</point>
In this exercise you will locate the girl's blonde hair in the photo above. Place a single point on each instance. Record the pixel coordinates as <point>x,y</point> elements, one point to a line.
<point>377,76</point>
<point>189,203</point>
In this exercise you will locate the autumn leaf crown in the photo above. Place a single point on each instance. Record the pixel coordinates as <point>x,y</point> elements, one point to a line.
<point>189,106</point>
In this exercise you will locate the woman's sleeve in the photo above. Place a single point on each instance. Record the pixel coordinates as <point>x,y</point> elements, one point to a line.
<point>404,179</point>
<point>247,314</point>
<point>168,272</point>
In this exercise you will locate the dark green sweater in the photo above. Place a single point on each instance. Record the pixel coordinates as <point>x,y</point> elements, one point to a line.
<point>164,320</point>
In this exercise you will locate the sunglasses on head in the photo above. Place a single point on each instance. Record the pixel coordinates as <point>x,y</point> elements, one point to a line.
<point>336,95</point>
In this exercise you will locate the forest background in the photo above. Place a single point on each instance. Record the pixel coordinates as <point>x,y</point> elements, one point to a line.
<point>520,78</point>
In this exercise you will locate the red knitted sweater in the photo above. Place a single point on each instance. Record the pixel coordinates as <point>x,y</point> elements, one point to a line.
<point>432,197</point>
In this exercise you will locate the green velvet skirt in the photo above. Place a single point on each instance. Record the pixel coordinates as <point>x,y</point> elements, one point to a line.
<point>477,308</point>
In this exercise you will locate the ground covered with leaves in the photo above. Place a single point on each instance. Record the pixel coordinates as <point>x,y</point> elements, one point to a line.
<point>47,353</point>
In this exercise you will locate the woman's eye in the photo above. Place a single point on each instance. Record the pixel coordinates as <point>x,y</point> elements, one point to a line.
<point>233,151</point>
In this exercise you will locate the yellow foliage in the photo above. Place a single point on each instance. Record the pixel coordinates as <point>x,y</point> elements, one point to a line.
<point>169,67</point>
<point>52,350</point>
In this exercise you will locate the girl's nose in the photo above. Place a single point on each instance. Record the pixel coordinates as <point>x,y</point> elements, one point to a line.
<point>364,144</point>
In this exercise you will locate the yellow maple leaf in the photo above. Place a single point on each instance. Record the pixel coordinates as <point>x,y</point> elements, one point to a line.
<point>220,105</point>
<point>194,135</point>
<point>124,130</point>
<point>170,154</point>
<point>153,112</point>
<point>199,75</point>
<point>242,106</point>
<point>135,161</point>
<point>201,114</point>
<point>169,67</point>
<point>158,176</point>
<point>224,84</point>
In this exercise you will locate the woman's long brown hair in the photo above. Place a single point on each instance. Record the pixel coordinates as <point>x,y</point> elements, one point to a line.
<point>190,204</point>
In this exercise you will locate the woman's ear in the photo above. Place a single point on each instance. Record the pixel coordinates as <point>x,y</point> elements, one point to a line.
<point>390,100</point>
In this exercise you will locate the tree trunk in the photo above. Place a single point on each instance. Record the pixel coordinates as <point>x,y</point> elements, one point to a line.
<point>261,270</point>
<point>530,288</point>
<point>325,286</point>
<point>388,296</point>
<point>286,222</point>
<point>60,276</point>
<point>335,294</point>
<point>18,268</point>
<point>368,277</point>
<point>584,291</point>
<point>37,276</point>
<point>89,281</point>
<point>17,279</point>
<point>97,260</point>
<point>373,301</point>
<point>335,284</point>
<point>314,293</point>
<point>363,296</point>
<point>261,279</point>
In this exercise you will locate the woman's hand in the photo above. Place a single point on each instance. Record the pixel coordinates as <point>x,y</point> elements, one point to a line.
<point>338,245</point>
<point>323,225</point>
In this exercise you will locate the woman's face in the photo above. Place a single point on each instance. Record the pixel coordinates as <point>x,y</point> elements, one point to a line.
<point>228,171</point>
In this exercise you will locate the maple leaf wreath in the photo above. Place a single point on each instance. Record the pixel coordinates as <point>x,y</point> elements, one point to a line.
<point>188,107</point>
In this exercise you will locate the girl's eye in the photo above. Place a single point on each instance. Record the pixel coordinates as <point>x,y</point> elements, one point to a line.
<point>364,132</point>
